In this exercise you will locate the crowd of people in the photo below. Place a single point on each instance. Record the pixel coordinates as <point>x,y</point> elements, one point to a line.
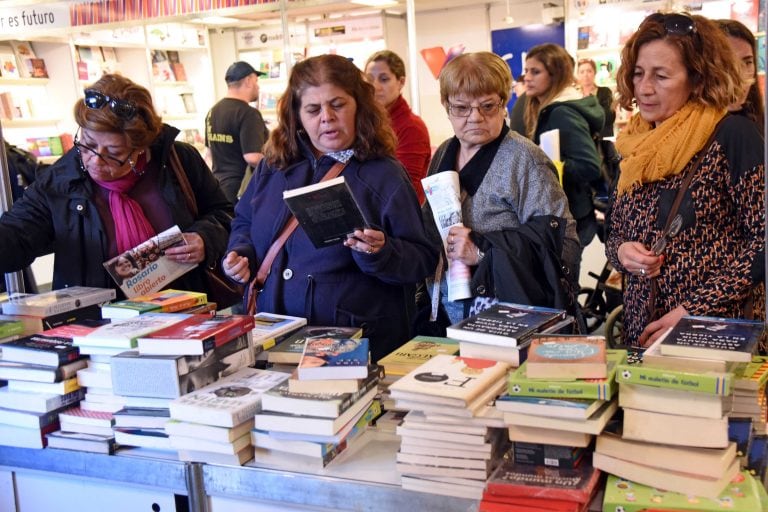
<point>692,155</point>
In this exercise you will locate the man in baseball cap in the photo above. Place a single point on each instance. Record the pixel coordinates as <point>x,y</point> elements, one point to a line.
<point>235,132</point>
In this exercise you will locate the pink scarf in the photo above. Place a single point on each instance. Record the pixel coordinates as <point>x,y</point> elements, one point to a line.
<point>131,225</point>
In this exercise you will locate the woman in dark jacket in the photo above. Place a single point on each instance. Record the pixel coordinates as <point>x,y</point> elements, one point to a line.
<point>114,190</point>
<point>328,114</point>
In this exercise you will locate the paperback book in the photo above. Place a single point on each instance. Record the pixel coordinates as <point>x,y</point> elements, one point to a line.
<point>33,324</point>
<point>145,268</point>
<point>10,370</point>
<point>504,324</point>
<point>726,339</point>
<point>575,408</point>
<point>415,352</point>
<point>123,334</point>
<point>195,335</point>
<point>40,349</point>
<point>82,442</point>
<point>333,358</point>
<point>553,356</point>
<point>56,301</point>
<point>699,382</point>
<point>543,482</point>
<point>334,386</point>
<point>289,350</point>
<point>276,325</point>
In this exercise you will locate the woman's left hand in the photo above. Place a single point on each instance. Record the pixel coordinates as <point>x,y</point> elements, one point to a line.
<point>191,252</point>
<point>461,247</point>
<point>655,329</point>
<point>369,241</point>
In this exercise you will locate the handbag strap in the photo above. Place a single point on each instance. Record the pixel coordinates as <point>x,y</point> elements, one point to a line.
<point>288,228</point>
<point>181,177</point>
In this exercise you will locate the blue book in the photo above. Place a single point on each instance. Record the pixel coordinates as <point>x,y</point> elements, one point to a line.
<point>334,358</point>
<point>724,339</point>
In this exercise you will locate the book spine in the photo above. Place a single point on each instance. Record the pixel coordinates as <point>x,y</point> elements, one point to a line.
<point>711,383</point>
<point>603,390</point>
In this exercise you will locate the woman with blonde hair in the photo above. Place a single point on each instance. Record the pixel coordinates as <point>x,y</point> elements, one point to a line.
<point>688,215</point>
<point>554,103</point>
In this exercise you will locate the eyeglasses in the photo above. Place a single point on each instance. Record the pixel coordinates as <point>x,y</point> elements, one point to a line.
<point>123,109</point>
<point>107,159</point>
<point>486,109</point>
<point>676,23</point>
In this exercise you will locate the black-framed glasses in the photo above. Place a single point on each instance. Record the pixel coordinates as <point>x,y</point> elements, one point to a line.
<point>676,23</point>
<point>123,109</point>
<point>107,159</point>
<point>486,109</point>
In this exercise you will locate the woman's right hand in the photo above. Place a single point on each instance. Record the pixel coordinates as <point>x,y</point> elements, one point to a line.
<point>236,267</point>
<point>639,260</point>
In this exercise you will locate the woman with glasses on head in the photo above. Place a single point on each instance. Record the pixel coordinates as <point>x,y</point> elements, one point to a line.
<point>585,73</point>
<point>744,46</point>
<point>385,70</point>
<point>555,104</point>
<point>517,231</point>
<point>705,258</point>
<point>114,190</point>
<point>329,122</point>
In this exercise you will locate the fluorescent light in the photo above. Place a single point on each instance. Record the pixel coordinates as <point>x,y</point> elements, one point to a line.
<point>375,3</point>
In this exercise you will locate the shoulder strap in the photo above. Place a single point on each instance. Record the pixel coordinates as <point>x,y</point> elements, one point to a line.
<point>290,226</point>
<point>181,177</point>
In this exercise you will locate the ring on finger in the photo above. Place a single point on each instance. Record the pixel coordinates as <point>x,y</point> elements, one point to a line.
<point>642,271</point>
<point>369,251</point>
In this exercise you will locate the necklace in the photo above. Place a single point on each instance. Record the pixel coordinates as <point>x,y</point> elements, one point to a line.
<point>139,167</point>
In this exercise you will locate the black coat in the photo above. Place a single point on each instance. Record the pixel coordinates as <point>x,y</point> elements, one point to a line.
<point>58,212</point>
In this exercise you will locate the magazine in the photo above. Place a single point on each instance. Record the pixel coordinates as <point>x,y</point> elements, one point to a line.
<point>145,269</point>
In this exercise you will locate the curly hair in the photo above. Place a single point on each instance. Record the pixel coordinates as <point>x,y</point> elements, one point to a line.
<point>374,137</point>
<point>712,70</point>
<point>140,130</point>
<point>753,106</point>
<point>475,74</point>
<point>559,64</point>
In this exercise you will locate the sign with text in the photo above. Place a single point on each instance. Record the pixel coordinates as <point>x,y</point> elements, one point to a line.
<point>26,18</point>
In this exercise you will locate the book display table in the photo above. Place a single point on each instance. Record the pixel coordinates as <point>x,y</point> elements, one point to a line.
<point>363,479</point>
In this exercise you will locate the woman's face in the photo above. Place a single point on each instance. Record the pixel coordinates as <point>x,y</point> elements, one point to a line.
<point>105,155</point>
<point>123,267</point>
<point>586,75</point>
<point>479,128</point>
<point>745,55</point>
<point>385,83</point>
<point>537,78</point>
<point>327,114</point>
<point>660,81</point>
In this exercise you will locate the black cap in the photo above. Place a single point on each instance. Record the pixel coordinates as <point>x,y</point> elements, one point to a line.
<point>240,70</point>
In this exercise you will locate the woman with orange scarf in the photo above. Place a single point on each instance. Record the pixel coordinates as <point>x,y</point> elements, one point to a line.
<point>680,72</point>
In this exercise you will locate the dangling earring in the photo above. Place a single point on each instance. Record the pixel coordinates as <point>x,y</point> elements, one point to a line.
<point>134,170</point>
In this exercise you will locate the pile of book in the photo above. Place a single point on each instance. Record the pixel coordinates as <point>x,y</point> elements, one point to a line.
<point>676,427</point>
<point>504,331</point>
<point>449,445</point>
<point>213,424</point>
<point>323,408</point>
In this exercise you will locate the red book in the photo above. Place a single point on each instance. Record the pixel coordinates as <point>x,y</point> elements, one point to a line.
<point>494,503</point>
<point>195,335</point>
<point>543,482</point>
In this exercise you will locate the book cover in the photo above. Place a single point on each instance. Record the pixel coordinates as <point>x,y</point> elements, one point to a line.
<point>557,408</point>
<point>22,50</point>
<point>455,378</point>
<point>55,388</point>
<point>10,328</point>
<point>601,389</point>
<point>504,324</point>
<point>753,375</point>
<point>127,309</point>
<point>161,67</point>
<point>40,373</point>
<point>523,480</point>
<point>415,352</point>
<point>291,348</point>
<point>172,301</point>
<point>145,269</point>
<point>40,349</point>
<point>592,425</point>
<point>81,442</point>
<point>651,356</point>
<point>538,454</point>
<point>327,211</point>
<point>742,495</point>
<point>554,356</point>
<point>519,433</point>
<point>188,99</point>
<point>78,415</point>
<point>36,68</point>
<point>8,65</point>
<point>333,358</point>
<point>673,401</point>
<point>195,335</point>
<point>37,402</point>
<point>124,333</point>
<point>333,386</point>
<point>229,401</point>
<point>56,301</point>
<point>700,382</point>
<point>725,339</point>
<point>142,417</point>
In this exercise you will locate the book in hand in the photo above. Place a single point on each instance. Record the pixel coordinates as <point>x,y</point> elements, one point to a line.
<point>504,324</point>
<point>726,339</point>
<point>145,268</point>
<point>195,335</point>
<point>332,358</point>
<point>40,349</point>
<point>554,356</point>
<point>327,211</point>
<point>56,301</point>
<point>289,350</point>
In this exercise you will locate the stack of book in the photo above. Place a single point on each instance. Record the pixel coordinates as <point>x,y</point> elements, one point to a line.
<point>274,328</point>
<point>213,423</point>
<point>286,354</point>
<point>503,331</point>
<point>164,301</point>
<point>84,430</point>
<point>450,395</point>
<point>676,430</point>
<point>749,399</point>
<point>318,413</point>
<point>41,374</point>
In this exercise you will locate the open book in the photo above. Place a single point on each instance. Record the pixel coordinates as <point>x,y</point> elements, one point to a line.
<point>145,268</point>
<point>327,211</point>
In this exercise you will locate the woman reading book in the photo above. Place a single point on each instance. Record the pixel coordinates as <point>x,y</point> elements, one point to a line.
<point>114,190</point>
<point>328,115</point>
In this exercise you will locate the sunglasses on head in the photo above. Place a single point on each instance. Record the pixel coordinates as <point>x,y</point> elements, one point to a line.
<point>676,23</point>
<point>121,108</point>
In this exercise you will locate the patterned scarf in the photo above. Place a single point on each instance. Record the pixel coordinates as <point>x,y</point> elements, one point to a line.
<point>131,225</point>
<point>652,154</point>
